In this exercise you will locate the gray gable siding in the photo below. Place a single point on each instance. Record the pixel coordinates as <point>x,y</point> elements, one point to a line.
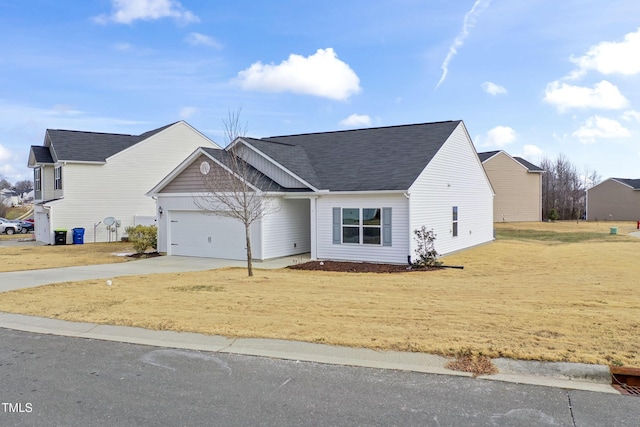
<point>375,159</point>
<point>191,180</point>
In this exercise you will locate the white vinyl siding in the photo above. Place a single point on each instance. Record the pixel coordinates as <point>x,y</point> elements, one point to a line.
<point>396,252</point>
<point>93,192</point>
<point>454,177</point>
<point>288,231</point>
<point>281,233</point>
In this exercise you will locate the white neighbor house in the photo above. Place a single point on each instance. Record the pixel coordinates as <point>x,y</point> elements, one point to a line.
<point>349,195</point>
<point>81,178</point>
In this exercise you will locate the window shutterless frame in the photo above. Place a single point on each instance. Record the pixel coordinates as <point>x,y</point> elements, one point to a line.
<point>455,221</point>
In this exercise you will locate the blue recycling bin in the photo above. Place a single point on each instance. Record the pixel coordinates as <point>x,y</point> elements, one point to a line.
<point>78,236</point>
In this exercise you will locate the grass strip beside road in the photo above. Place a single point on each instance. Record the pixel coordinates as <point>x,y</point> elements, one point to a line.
<point>516,297</point>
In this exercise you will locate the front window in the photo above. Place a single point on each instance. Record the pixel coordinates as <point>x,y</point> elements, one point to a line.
<point>361,226</point>
<point>58,178</point>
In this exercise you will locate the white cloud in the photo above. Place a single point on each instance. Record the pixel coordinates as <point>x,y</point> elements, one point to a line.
<point>493,89</point>
<point>186,112</point>
<point>5,154</point>
<point>499,136</point>
<point>631,115</point>
<point>321,74</point>
<point>127,11</point>
<point>611,57</point>
<point>603,95</point>
<point>468,23</point>
<point>355,120</point>
<point>532,152</point>
<point>600,127</point>
<point>197,39</point>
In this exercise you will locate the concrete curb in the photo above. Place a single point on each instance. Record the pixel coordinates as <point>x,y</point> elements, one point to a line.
<point>574,376</point>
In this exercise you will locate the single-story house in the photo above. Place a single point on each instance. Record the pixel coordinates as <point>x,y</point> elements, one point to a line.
<point>9,197</point>
<point>517,184</point>
<point>614,199</point>
<point>355,195</point>
<point>82,178</point>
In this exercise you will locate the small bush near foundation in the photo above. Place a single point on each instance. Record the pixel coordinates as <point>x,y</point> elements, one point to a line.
<point>426,251</point>
<point>143,237</point>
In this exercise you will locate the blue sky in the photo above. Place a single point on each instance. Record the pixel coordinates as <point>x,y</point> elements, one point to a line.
<point>535,78</point>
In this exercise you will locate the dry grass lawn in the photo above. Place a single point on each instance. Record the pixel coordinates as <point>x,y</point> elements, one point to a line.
<point>574,297</point>
<point>25,257</point>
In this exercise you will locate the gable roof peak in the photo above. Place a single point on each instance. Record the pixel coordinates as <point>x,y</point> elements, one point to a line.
<point>394,155</point>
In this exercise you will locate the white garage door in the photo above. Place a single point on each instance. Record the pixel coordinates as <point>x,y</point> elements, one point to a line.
<point>197,234</point>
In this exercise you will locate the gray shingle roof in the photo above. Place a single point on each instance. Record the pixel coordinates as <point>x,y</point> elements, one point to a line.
<point>41,154</point>
<point>634,183</point>
<point>530,166</point>
<point>484,156</point>
<point>487,155</point>
<point>79,146</point>
<point>257,178</point>
<point>374,159</point>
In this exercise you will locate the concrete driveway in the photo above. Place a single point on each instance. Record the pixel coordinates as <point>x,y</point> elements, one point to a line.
<point>164,264</point>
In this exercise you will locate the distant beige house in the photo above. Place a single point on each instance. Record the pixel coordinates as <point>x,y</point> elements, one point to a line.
<point>614,199</point>
<point>517,185</point>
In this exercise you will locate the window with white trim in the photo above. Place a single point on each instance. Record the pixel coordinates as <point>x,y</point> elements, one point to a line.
<point>455,221</point>
<point>37,180</point>
<point>362,226</point>
<point>57,181</point>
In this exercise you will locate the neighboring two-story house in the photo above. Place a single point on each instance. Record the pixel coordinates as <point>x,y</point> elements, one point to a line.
<point>82,178</point>
<point>517,184</point>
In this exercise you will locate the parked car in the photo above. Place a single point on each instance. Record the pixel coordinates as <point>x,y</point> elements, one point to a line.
<point>25,226</point>
<point>9,227</point>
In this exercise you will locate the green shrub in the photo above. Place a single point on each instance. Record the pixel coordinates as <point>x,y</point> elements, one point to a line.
<point>143,237</point>
<point>426,252</point>
<point>553,214</point>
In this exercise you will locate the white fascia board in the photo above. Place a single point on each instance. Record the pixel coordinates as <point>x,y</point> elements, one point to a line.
<point>489,158</point>
<point>619,182</point>
<point>119,153</point>
<point>473,147</point>
<point>215,144</point>
<point>175,172</point>
<point>254,149</point>
<point>254,188</point>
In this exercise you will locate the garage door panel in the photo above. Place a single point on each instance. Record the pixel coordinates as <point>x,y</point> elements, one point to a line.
<point>202,235</point>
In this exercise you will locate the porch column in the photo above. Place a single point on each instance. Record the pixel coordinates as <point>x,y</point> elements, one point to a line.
<point>313,204</point>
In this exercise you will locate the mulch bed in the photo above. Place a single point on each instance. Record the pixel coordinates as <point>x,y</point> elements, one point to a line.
<point>145,255</point>
<point>356,267</point>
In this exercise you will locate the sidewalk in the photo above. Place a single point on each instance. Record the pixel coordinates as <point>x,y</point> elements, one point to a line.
<point>563,375</point>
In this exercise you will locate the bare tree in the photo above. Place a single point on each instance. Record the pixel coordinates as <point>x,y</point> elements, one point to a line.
<point>23,186</point>
<point>237,190</point>
<point>564,189</point>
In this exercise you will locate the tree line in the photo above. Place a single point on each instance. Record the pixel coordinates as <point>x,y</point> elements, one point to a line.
<point>564,188</point>
<point>19,187</point>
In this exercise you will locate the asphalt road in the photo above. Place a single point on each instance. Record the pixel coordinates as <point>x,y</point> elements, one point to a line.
<point>48,380</point>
